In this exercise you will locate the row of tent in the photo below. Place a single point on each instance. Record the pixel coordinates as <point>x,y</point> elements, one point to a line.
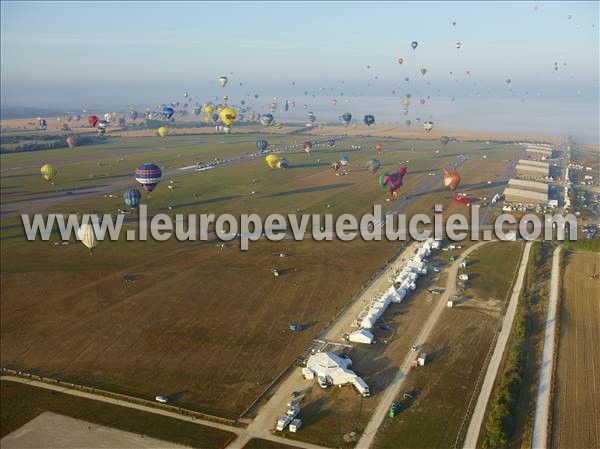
<point>404,281</point>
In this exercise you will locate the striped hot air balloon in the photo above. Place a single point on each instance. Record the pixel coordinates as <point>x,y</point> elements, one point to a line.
<point>48,172</point>
<point>373,165</point>
<point>132,198</point>
<point>148,175</point>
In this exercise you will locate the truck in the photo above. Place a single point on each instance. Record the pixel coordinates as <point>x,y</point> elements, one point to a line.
<point>162,399</point>
<point>295,425</point>
<point>293,411</point>
<point>463,277</point>
<point>282,422</point>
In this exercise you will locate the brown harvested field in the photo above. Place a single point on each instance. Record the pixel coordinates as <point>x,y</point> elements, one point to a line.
<point>21,403</point>
<point>576,397</point>
<point>207,327</point>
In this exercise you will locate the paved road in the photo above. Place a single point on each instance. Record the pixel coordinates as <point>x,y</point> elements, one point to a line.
<point>393,390</point>
<point>542,407</point>
<point>494,364</point>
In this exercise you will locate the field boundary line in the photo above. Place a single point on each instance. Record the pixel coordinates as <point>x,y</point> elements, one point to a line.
<point>72,388</point>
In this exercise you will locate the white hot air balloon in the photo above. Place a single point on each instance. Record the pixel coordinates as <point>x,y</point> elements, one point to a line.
<point>87,236</point>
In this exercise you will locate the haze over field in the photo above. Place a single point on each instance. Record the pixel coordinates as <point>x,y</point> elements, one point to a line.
<point>67,57</point>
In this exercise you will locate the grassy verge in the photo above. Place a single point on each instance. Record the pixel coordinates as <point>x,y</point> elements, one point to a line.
<point>509,418</point>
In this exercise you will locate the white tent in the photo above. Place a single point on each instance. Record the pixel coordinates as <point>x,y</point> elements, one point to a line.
<point>335,370</point>
<point>361,336</point>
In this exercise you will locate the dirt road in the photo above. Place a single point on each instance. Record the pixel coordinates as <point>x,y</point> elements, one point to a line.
<point>393,390</point>
<point>494,364</point>
<point>539,438</point>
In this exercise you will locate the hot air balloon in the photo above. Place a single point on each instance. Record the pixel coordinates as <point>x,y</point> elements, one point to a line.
<point>223,80</point>
<point>148,175</point>
<point>132,198</point>
<point>101,126</point>
<point>405,102</point>
<point>87,236</point>
<point>373,165</point>
<point>168,112</point>
<point>458,45</point>
<point>163,131</point>
<point>400,60</point>
<point>423,71</point>
<point>335,166</point>
<point>228,115</point>
<point>262,144</point>
<point>369,119</point>
<point>312,117</point>
<point>334,102</point>
<point>346,118</point>
<point>428,125</point>
<point>266,119</point>
<point>282,163</point>
<point>444,140</point>
<point>272,161</point>
<point>70,142</point>
<point>133,114</point>
<point>378,148</point>
<point>414,44</point>
<point>209,109</point>
<point>331,142</point>
<point>344,161</point>
<point>451,179</point>
<point>508,81</point>
<point>308,146</point>
<point>392,182</point>
<point>48,172</point>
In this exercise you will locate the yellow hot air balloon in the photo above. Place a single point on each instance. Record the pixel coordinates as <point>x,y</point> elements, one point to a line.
<point>225,98</point>
<point>209,109</point>
<point>163,131</point>
<point>87,236</point>
<point>48,172</point>
<point>272,161</point>
<point>228,115</point>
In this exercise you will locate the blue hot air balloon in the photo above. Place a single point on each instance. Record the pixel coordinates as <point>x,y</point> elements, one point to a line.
<point>262,144</point>
<point>132,198</point>
<point>168,112</point>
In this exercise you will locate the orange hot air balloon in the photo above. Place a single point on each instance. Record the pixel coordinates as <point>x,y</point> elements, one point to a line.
<point>451,179</point>
<point>379,148</point>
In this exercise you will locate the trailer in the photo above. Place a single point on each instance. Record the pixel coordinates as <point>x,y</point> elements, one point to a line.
<point>295,425</point>
<point>282,422</point>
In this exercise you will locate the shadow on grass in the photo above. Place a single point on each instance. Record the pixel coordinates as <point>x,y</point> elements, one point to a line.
<point>311,189</point>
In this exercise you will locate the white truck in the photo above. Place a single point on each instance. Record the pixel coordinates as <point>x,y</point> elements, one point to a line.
<point>283,422</point>
<point>293,411</point>
<point>295,425</point>
<point>161,399</point>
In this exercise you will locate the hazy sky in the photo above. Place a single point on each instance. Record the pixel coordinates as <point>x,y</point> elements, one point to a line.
<point>75,53</point>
